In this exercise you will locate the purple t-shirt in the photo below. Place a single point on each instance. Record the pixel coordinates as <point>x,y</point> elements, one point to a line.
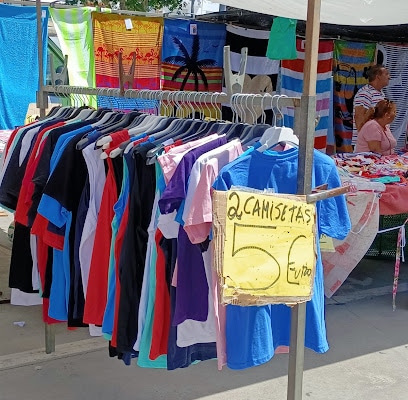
<point>192,286</point>
<point>176,190</point>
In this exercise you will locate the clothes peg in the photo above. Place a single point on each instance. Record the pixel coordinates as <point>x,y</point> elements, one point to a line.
<point>126,78</point>
<point>59,78</point>
<point>234,83</point>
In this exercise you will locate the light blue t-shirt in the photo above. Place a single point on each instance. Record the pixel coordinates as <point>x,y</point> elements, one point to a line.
<point>147,334</point>
<point>253,333</point>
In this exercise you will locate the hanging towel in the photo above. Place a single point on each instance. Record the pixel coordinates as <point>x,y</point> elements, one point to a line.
<point>282,39</point>
<point>330,141</point>
<point>74,31</point>
<point>351,59</point>
<point>192,57</point>
<point>19,61</point>
<point>261,73</point>
<point>129,35</point>
<point>395,59</point>
<point>292,85</point>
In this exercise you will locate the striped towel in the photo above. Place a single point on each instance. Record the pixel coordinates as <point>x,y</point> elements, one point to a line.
<point>261,73</point>
<point>350,61</point>
<point>192,57</point>
<point>395,59</point>
<point>112,37</point>
<point>292,85</point>
<point>74,31</point>
<point>19,61</point>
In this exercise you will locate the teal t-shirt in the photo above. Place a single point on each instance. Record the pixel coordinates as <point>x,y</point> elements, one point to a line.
<point>282,39</point>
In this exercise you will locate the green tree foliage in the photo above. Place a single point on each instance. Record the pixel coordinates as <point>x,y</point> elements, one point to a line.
<point>133,5</point>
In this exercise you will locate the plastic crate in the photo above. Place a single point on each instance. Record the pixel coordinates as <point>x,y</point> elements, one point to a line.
<point>385,244</point>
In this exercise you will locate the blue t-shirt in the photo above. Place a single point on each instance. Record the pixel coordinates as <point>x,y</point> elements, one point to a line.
<point>253,333</point>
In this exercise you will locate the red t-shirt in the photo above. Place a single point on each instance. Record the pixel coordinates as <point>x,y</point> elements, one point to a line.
<point>27,189</point>
<point>161,317</point>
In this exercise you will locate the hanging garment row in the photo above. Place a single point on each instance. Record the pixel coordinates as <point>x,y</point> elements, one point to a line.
<point>113,217</point>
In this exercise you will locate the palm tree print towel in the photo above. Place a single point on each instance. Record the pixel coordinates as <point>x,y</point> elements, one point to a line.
<point>192,55</point>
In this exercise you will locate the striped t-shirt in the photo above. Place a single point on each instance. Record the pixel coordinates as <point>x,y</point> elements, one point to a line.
<point>367,97</point>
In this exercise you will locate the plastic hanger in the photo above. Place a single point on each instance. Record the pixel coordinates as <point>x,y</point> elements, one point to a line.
<point>234,82</point>
<point>176,128</point>
<point>99,113</point>
<point>255,130</point>
<point>122,122</point>
<point>83,114</point>
<point>275,135</point>
<point>52,112</point>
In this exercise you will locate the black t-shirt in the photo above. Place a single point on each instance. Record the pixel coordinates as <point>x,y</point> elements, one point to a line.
<point>42,171</point>
<point>13,176</point>
<point>133,253</point>
<point>66,185</point>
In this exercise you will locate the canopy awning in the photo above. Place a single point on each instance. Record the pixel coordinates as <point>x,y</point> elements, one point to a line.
<point>339,12</point>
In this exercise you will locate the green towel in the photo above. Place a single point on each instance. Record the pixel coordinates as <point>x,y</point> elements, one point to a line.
<point>74,31</point>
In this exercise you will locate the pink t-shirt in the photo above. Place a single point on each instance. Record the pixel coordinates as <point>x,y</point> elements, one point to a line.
<point>373,131</point>
<point>170,160</point>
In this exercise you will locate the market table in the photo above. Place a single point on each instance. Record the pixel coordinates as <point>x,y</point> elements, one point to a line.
<point>379,189</point>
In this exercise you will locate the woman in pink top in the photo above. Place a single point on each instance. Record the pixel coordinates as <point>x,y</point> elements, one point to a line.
<point>375,135</point>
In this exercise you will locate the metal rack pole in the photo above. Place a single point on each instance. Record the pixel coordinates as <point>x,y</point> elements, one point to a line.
<point>42,98</point>
<point>42,104</point>
<point>304,185</point>
<point>200,97</point>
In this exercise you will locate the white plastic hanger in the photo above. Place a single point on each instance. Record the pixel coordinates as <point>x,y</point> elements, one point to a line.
<point>276,134</point>
<point>234,83</point>
<point>274,129</point>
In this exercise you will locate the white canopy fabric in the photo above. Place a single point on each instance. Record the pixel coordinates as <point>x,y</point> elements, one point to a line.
<point>339,12</point>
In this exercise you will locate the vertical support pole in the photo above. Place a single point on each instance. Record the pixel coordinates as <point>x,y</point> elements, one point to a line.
<point>42,98</point>
<point>42,104</point>
<point>49,338</point>
<point>304,183</point>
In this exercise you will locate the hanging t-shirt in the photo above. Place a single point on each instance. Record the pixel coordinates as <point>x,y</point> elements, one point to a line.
<point>59,204</point>
<point>192,287</point>
<point>181,357</point>
<point>253,333</point>
<point>133,254</point>
<point>282,39</point>
<point>97,178</point>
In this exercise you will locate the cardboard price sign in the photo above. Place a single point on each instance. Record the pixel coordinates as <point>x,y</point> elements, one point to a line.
<point>265,247</point>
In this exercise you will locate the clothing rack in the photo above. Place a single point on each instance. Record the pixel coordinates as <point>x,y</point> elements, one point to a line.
<point>237,101</point>
<point>305,110</point>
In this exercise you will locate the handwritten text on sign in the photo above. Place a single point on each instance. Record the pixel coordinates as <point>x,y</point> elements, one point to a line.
<point>269,248</point>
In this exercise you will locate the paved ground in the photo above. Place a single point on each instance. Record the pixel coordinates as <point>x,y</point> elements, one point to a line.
<point>5,252</point>
<point>368,354</point>
<point>368,360</point>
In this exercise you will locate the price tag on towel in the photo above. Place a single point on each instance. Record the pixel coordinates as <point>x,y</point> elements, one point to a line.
<point>193,29</point>
<point>128,24</point>
<point>264,247</point>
